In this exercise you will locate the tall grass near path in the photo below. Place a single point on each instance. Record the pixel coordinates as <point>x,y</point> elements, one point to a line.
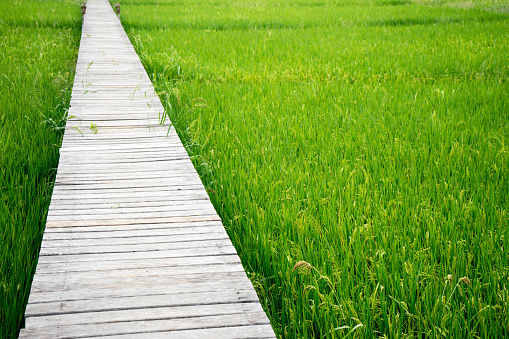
<point>356,151</point>
<point>38,50</point>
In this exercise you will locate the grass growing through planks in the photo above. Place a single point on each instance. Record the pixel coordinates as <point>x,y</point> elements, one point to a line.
<point>357,152</point>
<point>38,47</point>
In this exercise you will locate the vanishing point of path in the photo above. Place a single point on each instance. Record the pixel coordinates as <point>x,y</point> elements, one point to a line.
<point>133,247</point>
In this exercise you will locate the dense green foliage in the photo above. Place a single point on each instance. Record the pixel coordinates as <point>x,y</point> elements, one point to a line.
<point>357,152</point>
<point>38,51</point>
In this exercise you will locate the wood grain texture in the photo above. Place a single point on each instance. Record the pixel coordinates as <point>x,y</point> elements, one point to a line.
<point>143,328</point>
<point>133,247</point>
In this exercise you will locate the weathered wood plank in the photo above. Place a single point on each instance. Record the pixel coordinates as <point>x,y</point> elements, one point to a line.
<point>118,197</point>
<point>183,262</point>
<point>91,176</point>
<point>120,241</point>
<point>143,231</point>
<point>236,332</point>
<point>112,134</point>
<point>108,174</point>
<point>153,145</point>
<point>149,181</point>
<point>125,212</point>
<point>141,166</point>
<point>121,222</point>
<point>203,204</point>
<point>100,125</point>
<point>155,164</point>
<point>138,185</point>
<point>138,308</point>
<point>135,226</point>
<point>126,159</point>
<point>120,213</point>
<point>114,157</point>
<point>171,314</point>
<point>182,292</point>
<point>132,255</point>
<point>197,246</point>
<point>148,326</point>
<point>162,200</point>
<point>123,151</point>
<point>75,279</point>
<point>141,283</point>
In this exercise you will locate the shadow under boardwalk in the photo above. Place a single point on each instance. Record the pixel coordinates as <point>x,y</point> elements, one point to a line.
<point>133,248</point>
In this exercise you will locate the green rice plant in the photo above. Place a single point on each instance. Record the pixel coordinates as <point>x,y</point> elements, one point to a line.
<point>366,139</point>
<point>38,48</point>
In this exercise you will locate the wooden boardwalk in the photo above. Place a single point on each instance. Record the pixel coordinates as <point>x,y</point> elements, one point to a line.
<point>133,248</point>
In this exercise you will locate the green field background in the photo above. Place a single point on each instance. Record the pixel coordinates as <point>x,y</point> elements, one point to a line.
<point>39,43</point>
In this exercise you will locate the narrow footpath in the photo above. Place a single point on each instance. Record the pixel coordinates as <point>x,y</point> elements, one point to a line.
<point>133,247</point>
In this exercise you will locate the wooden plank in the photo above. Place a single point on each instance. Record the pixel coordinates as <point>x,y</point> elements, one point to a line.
<point>122,222</point>
<point>119,215</point>
<point>120,140</point>
<point>177,291</point>
<point>108,182</point>
<point>116,198</point>
<point>112,103</point>
<point>70,191</point>
<point>126,159</point>
<point>175,283</point>
<point>140,171</point>
<point>102,124</point>
<point>113,133</point>
<point>203,205</point>
<point>125,213</point>
<point>236,332</point>
<point>118,113</point>
<point>143,193</point>
<point>125,184</point>
<point>76,166</point>
<point>147,169</point>
<point>133,232</point>
<point>77,175</point>
<point>122,145</point>
<point>76,278</point>
<point>142,166</point>
<point>56,267</point>
<point>108,120</point>
<point>109,157</point>
<point>149,326</point>
<point>108,170</point>
<point>177,240</point>
<point>119,202</point>
<point>196,246</point>
<point>119,150</point>
<point>134,226</point>
<point>118,194</point>
<point>137,308</point>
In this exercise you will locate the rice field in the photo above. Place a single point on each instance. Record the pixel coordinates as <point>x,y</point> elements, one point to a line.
<point>38,47</point>
<point>357,152</point>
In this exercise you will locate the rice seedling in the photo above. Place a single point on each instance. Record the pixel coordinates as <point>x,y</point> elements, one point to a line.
<point>356,152</point>
<point>38,48</point>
